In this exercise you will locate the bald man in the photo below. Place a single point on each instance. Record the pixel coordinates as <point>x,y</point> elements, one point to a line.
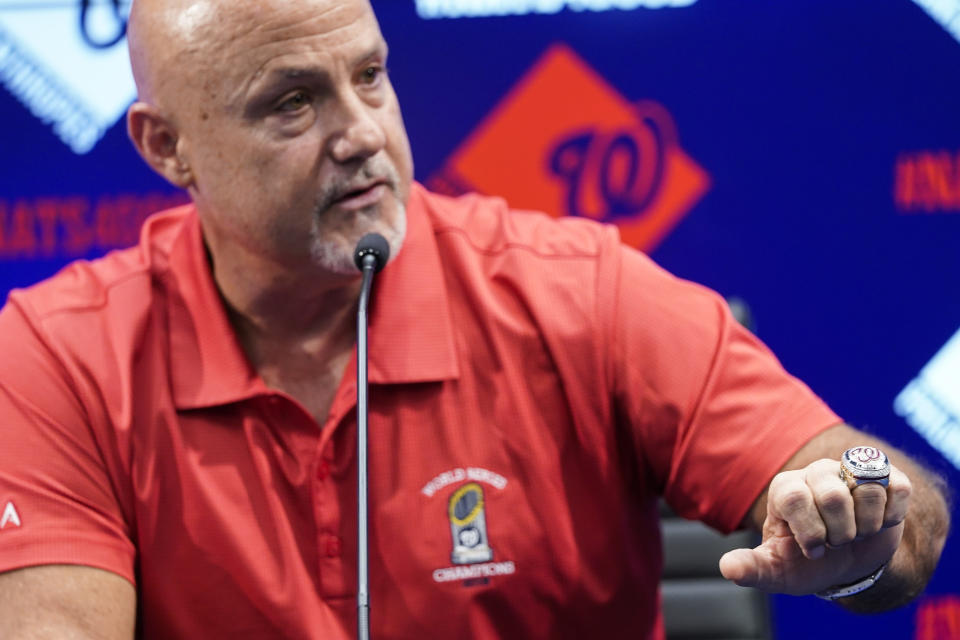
<point>182,412</point>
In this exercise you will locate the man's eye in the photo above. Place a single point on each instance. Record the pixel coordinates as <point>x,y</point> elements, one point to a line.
<point>295,102</point>
<point>371,74</point>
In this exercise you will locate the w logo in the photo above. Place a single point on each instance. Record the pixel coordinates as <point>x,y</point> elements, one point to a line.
<point>566,142</point>
<point>614,174</point>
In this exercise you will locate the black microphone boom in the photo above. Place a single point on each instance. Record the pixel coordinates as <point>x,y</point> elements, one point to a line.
<point>370,256</point>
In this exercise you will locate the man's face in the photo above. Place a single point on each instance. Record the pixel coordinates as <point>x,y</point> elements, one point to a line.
<point>292,131</point>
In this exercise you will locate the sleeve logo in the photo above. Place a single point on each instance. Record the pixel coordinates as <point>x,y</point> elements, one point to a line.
<point>10,517</point>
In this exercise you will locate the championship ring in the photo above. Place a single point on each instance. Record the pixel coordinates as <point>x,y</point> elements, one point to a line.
<point>862,465</point>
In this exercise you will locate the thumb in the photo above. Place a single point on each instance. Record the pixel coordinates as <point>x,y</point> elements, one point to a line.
<point>743,566</point>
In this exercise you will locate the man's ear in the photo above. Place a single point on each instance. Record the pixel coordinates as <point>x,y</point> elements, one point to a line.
<point>157,140</point>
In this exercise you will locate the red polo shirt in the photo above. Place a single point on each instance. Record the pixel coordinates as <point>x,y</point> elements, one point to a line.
<point>534,387</point>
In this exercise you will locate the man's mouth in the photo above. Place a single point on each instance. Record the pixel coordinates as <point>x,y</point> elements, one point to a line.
<point>362,197</point>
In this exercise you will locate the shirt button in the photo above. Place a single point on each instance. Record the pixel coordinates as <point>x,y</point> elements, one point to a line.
<point>334,547</point>
<point>323,470</point>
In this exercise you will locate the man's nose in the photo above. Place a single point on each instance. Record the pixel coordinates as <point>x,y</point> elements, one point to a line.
<point>358,133</point>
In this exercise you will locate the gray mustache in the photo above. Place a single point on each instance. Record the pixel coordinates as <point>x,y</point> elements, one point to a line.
<point>370,172</point>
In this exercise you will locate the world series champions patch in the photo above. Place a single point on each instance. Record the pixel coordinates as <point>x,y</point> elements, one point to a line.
<point>468,526</point>
<point>471,551</point>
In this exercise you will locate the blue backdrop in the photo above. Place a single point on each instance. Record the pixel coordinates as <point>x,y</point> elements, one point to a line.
<point>804,156</point>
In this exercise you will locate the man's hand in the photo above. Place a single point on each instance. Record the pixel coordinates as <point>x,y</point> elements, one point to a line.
<point>818,533</point>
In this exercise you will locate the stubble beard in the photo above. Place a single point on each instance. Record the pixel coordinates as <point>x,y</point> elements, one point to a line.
<point>332,250</point>
<point>334,234</point>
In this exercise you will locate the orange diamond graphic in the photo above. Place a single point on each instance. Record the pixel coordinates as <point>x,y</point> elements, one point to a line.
<point>564,141</point>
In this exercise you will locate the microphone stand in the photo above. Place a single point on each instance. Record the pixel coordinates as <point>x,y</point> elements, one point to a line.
<point>370,255</point>
<point>369,265</point>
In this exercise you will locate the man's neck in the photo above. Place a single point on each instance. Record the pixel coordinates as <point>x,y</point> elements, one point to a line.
<point>275,302</point>
<point>297,330</point>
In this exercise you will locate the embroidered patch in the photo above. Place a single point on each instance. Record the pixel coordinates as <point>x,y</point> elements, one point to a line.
<point>468,525</point>
<point>471,551</point>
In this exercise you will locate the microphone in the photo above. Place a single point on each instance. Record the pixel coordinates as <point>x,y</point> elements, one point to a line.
<point>375,245</point>
<point>370,256</point>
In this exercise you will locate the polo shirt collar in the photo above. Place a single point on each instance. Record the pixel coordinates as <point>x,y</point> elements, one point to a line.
<point>410,335</point>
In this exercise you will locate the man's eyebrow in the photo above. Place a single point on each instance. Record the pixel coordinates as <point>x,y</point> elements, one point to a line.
<point>296,73</point>
<point>281,74</point>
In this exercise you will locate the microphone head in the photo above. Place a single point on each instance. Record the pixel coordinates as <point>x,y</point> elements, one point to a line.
<point>372,244</point>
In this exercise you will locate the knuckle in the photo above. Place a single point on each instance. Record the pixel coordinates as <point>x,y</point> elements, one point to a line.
<point>835,500</point>
<point>811,536</point>
<point>901,492</point>
<point>794,500</point>
<point>869,495</point>
<point>844,536</point>
<point>893,519</point>
<point>781,479</point>
<point>869,527</point>
<point>905,481</point>
<point>821,466</point>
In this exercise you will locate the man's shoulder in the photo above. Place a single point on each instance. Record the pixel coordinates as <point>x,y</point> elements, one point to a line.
<point>94,295</point>
<point>488,225</point>
<point>89,285</point>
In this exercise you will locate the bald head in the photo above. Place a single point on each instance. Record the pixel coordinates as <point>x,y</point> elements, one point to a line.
<point>174,43</point>
<point>162,35</point>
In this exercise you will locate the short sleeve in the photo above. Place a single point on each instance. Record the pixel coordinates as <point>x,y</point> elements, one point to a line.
<point>57,497</point>
<point>712,414</point>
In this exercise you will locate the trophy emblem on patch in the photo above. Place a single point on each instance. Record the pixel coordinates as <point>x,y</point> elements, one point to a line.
<point>468,525</point>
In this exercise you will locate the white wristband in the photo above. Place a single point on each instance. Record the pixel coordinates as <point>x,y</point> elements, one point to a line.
<point>855,587</point>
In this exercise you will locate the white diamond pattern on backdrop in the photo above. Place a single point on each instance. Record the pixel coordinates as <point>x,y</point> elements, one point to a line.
<point>942,375</point>
<point>946,12</point>
<point>931,402</point>
<point>79,89</point>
